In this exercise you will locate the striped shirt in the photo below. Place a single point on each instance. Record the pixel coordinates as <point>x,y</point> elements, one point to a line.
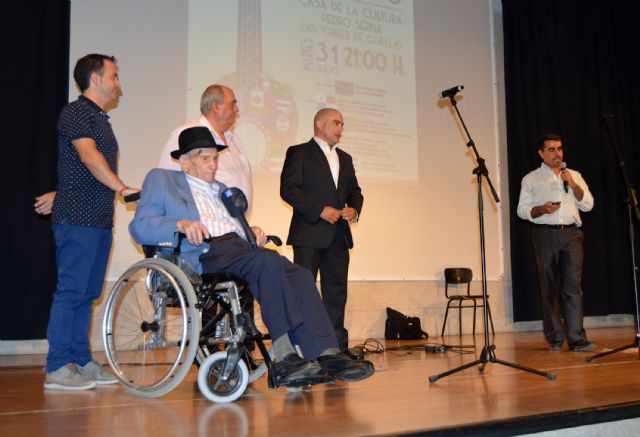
<point>213,213</point>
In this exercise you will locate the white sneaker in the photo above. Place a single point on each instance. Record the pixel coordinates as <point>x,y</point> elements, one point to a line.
<point>68,378</point>
<point>95,371</point>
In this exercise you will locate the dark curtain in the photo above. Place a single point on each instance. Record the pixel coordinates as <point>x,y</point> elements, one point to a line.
<point>34,74</point>
<point>566,62</point>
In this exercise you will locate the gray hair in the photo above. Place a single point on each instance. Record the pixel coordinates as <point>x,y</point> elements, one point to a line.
<point>185,157</point>
<point>213,93</point>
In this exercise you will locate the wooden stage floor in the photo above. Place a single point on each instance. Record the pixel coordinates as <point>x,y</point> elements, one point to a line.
<point>398,399</point>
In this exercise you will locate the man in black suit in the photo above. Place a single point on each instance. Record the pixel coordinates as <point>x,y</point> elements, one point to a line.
<point>319,181</point>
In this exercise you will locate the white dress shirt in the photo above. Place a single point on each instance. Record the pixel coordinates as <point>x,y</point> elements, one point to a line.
<point>213,213</point>
<point>234,168</point>
<point>332,157</point>
<point>543,185</point>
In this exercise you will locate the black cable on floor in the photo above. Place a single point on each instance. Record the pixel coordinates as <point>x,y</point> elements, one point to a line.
<point>434,348</point>
<point>370,346</point>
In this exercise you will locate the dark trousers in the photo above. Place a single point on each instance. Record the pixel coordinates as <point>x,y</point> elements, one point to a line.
<point>287,293</point>
<point>333,263</point>
<point>559,259</point>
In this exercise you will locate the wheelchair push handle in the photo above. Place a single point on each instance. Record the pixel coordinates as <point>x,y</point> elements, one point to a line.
<point>133,197</point>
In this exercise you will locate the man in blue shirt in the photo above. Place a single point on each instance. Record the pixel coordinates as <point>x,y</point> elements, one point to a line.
<point>82,218</point>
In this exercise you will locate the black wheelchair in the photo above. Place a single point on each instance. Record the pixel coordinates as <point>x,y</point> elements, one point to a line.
<point>161,316</point>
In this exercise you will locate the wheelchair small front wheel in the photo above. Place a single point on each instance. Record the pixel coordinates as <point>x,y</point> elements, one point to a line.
<point>211,384</point>
<point>255,366</point>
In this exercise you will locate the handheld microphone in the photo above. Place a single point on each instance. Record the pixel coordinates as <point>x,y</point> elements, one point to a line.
<point>563,168</point>
<point>236,203</point>
<point>450,92</point>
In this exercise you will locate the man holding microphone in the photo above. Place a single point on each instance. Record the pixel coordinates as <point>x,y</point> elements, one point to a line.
<point>551,197</point>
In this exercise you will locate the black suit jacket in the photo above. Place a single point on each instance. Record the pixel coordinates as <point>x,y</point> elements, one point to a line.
<point>307,185</point>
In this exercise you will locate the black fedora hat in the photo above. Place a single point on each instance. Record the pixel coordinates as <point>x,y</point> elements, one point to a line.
<point>198,137</point>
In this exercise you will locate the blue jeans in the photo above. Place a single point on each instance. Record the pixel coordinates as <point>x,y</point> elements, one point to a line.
<point>82,254</point>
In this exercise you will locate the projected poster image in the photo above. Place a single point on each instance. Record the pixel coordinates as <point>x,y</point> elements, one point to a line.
<point>285,59</point>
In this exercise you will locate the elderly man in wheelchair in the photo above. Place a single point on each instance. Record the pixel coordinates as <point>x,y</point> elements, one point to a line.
<point>192,203</point>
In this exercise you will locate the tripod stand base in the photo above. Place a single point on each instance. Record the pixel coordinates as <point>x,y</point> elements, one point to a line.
<point>488,355</point>
<point>636,343</point>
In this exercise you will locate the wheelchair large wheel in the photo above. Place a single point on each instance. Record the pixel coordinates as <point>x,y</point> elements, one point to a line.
<point>151,327</point>
<point>211,384</point>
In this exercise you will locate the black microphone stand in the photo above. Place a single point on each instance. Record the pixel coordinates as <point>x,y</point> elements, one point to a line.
<point>488,354</point>
<point>631,202</point>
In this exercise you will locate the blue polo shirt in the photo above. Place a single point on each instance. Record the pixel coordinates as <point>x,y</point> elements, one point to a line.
<point>81,199</point>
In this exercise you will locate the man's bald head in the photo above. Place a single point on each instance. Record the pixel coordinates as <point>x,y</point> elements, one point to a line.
<point>328,125</point>
<point>321,117</point>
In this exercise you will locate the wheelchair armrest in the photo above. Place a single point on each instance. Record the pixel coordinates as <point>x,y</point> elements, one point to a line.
<point>149,251</point>
<point>160,251</point>
<point>270,238</point>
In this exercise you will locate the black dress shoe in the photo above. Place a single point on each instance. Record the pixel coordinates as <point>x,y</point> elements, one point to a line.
<point>293,371</point>
<point>355,353</point>
<point>344,368</point>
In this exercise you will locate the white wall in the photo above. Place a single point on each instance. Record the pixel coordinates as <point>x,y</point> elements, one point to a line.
<point>408,231</point>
